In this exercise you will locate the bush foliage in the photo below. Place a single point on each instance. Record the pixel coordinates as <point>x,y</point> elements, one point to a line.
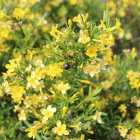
<point>69,70</point>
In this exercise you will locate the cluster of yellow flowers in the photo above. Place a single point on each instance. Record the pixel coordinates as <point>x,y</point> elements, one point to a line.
<point>61,76</point>
<point>122,7</point>
<point>134,78</point>
<point>5,29</point>
<point>128,12</point>
<point>45,83</point>
<point>133,135</point>
<point>123,96</point>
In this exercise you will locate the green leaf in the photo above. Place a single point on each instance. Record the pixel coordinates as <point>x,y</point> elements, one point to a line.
<point>95,92</point>
<point>48,40</point>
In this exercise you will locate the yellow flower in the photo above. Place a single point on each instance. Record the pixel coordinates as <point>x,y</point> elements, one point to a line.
<point>2,15</point>
<point>32,82</point>
<point>60,129</point>
<point>122,107</point>
<point>17,93</point>
<point>48,113</point>
<point>123,131</point>
<point>121,33</point>
<point>128,35</point>
<point>81,18</point>
<point>33,130</point>
<point>92,51</point>
<point>117,98</point>
<point>133,99</point>
<point>102,25</point>
<point>117,26</point>
<point>107,84</point>
<point>112,7</point>
<point>63,87</point>
<point>91,70</point>
<point>123,110</point>
<point>20,13</point>
<point>56,33</point>
<point>135,134</point>
<point>97,117</point>
<point>107,39</point>
<point>83,38</point>
<point>134,79</point>
<point>73,2</point>
<point>22,115</point>
<point>37,74</point>
<point>39,63</point>
<point>5,29</point>
<point>77,19</point>
<point>11,67</point>
<point>95,68</point>
<point>39,86</point>
<point>54,70</point>
<point>122,12</point>
<point>28,69</point>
